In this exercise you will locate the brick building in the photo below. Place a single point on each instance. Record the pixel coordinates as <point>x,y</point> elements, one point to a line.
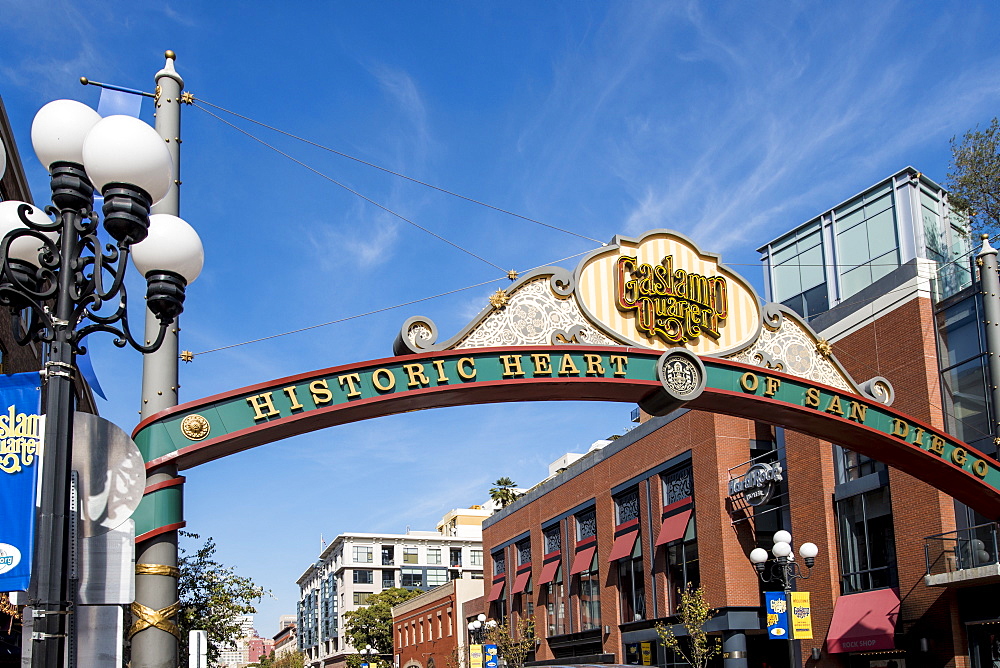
<point>429,631</point>
<point>598,553</point>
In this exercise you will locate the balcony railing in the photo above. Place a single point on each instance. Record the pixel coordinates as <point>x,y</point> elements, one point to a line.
<point>963,557</point>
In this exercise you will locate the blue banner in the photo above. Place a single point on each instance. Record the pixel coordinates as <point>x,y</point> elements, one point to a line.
<point>20,459</point>
<point>490,656</point>
<point>776,607</point>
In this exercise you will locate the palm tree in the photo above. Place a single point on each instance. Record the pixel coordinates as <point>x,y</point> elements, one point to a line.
<point>503,493</point>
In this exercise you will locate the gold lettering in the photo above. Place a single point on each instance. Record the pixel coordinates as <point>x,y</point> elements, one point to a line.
<point>350,379</point>
<point>619,362</point>
<point>918,436</point>
<point>594,365</point>
<point>415,372</point>
<point>320,391</point>
<point>543,364</point>
<point>980,468</point>
<point>937,445</point>
<point>439,367</point>
<point>567,367</point>
<point>812,397</point>
<point>900,428</point>
<point>260,402</point>
<point>959,456</point>
<point>858,412</point>
<point>834,406</point>
<point>749,382</point>
<point>467,368</point>
<point>511,366</point>
<point>290,391</point>
<point>390,380</point>
<point>771,385</point>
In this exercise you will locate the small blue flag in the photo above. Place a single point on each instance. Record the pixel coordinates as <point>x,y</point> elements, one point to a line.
<point>119,103</point>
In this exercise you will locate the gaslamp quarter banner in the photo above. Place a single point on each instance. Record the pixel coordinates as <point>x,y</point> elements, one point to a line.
<point>20,458</point>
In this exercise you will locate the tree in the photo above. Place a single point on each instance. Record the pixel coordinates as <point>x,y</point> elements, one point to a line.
<point>290,660</point>
<point>372,624</point>
<point>503,493</point>
<point>512,646</point>
<point>212,598</point>
<point>974,176</point>
<point>693,612</point>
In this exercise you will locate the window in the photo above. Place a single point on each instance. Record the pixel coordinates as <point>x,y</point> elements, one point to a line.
<point>499,563</point>
<point>433,556</point>
<point>627,506</point>
<point>455,556</point>
<point>388,555</point>
<point>362,554</point>
<point>412,578</point>
<point>963,376</point>
<point>436,577</point>
<point>632,586</point>
<point>524,552</point>
<point>798,275</point>
<point>364,577</point>
<point>553,540</point>
<point>410,555</point>
<point>388,579</point>
<point>677,486</point>
<point>853,465</point>
<point>867,243</point>
<point>361,597</point>
<point>867,542</point>
<point>555,605</point>
<point>589,594</point>
<point>586,524</point>
<point>476,557</point>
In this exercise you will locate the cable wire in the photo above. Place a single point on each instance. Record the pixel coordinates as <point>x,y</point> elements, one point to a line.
<point>402,176</point>
<point>349,189</point>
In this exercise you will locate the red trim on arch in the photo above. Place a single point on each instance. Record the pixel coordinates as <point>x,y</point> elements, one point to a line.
<point>159,531</point>
<point>179,480</point>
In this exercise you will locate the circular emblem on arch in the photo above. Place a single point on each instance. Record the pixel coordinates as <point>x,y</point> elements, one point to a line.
<point>682,374</point>
<point>195,427</point>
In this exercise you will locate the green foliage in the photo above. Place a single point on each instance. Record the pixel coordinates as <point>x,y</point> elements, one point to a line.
<point>503,492</point>
<point>292,660</point>
<point>372,624</point>
<point>212,597</point>
<point>514,645</point>
<point>698,649</point>
<point>974,176</point>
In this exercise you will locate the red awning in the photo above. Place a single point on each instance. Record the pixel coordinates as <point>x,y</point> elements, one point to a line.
<point>521,582</point>
<point>549,570</point>
<point>623,545</point>
<point>673,528</point>
<point>497,590</point>
<point>864,622</point>
<point>582,560</point>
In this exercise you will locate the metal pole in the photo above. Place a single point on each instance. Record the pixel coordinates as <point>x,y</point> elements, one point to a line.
<point>52,542</point>
<point>156,588</point>
<point>990,284</point>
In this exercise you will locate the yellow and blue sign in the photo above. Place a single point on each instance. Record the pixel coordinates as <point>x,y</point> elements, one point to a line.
<point>802,628</point>
<point>776,607</point>
<point>490,656</point>
<point>20,456</point>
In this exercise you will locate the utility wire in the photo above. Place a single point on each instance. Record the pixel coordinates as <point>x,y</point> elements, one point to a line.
<point>402,176</point>
<point>349,189</point>
<point>379,310</point>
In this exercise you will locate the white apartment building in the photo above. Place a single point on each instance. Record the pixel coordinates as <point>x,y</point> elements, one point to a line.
<point>356,565</point>
<point>235,656</point>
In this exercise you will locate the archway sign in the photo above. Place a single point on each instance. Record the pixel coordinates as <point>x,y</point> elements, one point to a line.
<point>652,320</point>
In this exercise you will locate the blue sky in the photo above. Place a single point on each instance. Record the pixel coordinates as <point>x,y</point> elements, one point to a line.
<point>729,122</point>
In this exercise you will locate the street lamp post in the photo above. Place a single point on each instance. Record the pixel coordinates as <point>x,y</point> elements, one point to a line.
<point>62,281</point>
<point>784,571</point>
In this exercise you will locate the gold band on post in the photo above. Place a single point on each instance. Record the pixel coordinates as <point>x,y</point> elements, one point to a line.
<point>157,569</point>
<point>147,617</point>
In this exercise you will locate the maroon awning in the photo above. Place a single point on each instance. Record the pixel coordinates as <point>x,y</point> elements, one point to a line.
<point>497,590</point>
<point>673,527</point>
<point>521,582</point>
<point>549,570</point>
<point>864,622</point>
<point>623,545</point>
<point>581,561</point>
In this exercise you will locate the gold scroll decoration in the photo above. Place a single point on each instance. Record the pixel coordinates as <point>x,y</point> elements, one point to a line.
<point>157,569</point>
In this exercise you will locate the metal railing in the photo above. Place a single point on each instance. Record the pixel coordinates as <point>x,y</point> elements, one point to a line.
<point>959,550</point>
